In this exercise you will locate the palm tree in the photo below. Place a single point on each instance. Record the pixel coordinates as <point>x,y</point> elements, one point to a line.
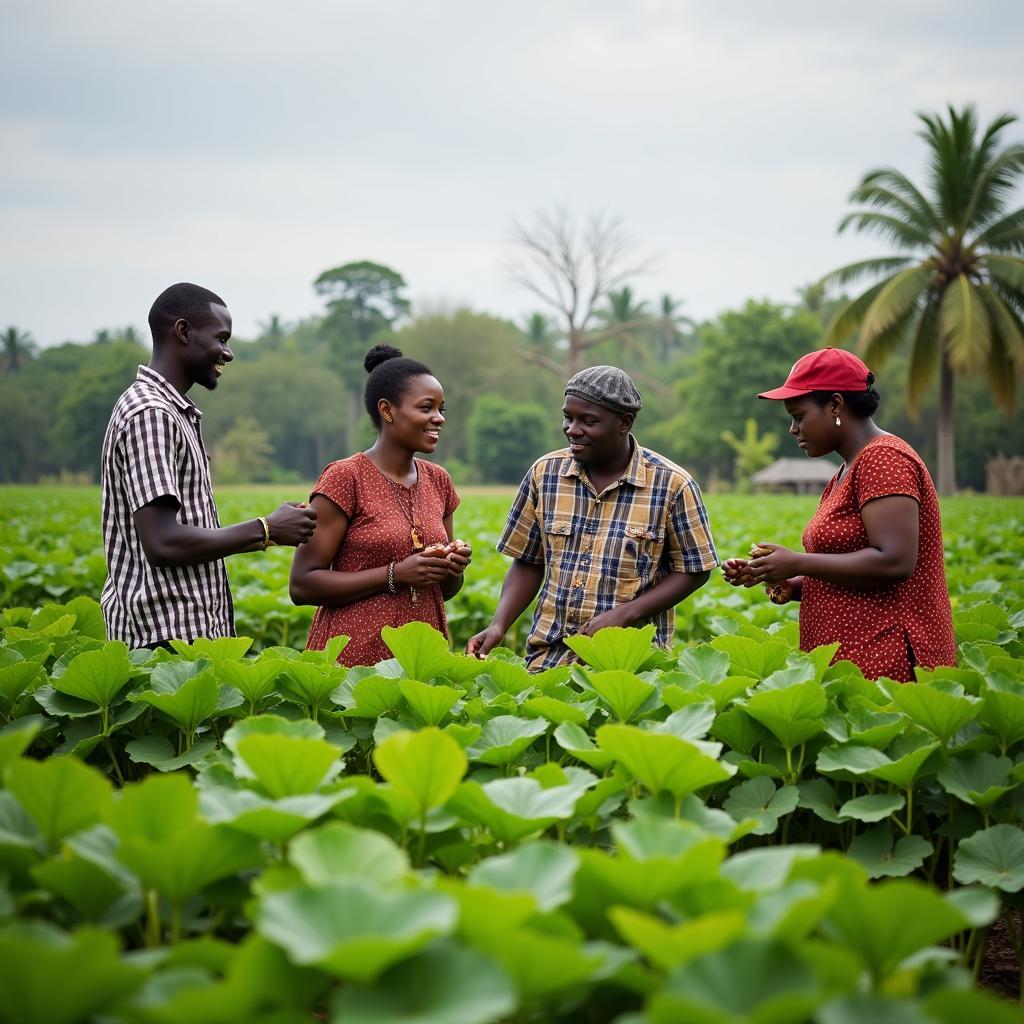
<point>18,349</point>
<point>669,323</point>
<point>955,291</point>
<point>539,332</point>
<point>624,314</point>
<point>273,330</point>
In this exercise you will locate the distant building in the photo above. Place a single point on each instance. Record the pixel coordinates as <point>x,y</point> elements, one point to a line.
<point>798,476</point>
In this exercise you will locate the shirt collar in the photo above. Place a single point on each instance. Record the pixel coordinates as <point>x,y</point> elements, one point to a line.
<point>183,402</point>
<point>635,473</point>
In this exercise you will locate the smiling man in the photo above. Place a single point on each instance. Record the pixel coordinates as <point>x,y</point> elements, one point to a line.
<point>164,543</point>
<point>609,532</point>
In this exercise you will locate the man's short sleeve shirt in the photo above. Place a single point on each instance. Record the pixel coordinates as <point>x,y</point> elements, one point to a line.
<point>600,550</point>
<point>153,449</point>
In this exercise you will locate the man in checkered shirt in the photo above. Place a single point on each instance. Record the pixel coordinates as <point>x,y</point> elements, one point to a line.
<point>609,532</point>
<point>164,543</point>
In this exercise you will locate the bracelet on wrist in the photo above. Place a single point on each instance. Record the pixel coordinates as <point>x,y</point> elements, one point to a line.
<point>267,542</point>
<point>392,588</point>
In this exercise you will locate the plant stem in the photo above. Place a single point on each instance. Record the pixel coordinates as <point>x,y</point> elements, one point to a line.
<point>152,918</point>
<point>113,761</point>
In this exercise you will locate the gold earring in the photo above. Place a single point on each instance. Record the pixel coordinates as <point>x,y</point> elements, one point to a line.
<point>389,419</point>
<point>839,422</point>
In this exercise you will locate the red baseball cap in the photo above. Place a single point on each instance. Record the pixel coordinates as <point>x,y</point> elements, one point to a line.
<point>828,369</point>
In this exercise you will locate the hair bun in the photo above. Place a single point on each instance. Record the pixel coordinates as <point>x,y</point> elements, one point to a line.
<point>380,354</point>
<point>871,378</point>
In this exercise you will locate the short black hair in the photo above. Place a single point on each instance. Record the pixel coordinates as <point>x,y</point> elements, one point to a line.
<point>390,373</point>
<point>860,403</point>
<point>182,301</point>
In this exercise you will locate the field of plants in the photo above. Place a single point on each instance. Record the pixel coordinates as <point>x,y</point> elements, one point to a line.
<point>243,833</point>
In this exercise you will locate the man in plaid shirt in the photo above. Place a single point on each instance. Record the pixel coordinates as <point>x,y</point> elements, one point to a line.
<point>609,532</point>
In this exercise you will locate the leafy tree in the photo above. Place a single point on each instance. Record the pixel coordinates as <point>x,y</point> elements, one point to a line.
<point>273,331</point>
<point>540,333</point>
<point>676,332</point>
<point>243,454</point>
<point>739,354</point>
<point>472,355</point>
<point>955,292</point>
<point>18,349</point>
<point>753,451</point>
<point>506,437</point>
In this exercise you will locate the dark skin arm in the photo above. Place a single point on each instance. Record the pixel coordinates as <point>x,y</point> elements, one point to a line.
<point>314,582</point>
<point>168,542</point>
<point>892,526</point>
<point>521,584</point>
<point>665,594</point>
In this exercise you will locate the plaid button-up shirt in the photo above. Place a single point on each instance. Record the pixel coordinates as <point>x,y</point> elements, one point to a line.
<point>600,550</point>
<point>154,449</point>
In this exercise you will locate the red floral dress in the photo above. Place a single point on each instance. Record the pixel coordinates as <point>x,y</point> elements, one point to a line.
<point>887,630</point>
<point>379,533</point>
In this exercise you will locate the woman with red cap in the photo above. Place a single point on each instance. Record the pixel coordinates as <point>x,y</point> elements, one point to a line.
<point>871,575</point>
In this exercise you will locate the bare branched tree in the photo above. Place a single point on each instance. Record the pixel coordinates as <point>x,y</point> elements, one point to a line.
<point>571,267</point>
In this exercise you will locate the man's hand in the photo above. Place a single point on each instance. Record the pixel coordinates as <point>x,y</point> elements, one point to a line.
<point>292,524</point>
<point>737,572</point>
<point>620,615</point>
<point>483,643</point>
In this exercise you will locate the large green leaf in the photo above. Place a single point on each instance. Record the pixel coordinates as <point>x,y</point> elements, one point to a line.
<point>309,684</point>
<point>97,676</point>
<point>621,691</point>
<point>942,708</point>
<point>1003,714</point>
<point>511,809</point>
<point>288,765</point>
<point>337,850</point>
<point>445,984</point>
<point>873,807</point>
<point>14,741</point>
<point>423,654</point>
<point>543,869</point>
<point>614,648</point>
<point>17,674</point>
<point>750,657</point>
<point>254,680</point>
<point>759,799</point>
<point>791,713</point>
<point>504,738</point>
<point>255,815</point>
<point>994,857</point>
<point>669,945</point>
<point>195,701</point>
<point>573,739</point>
<point>374,696</point>
<point>51,977</point>
<point>87,886</point>
<point>429,703</point>
<point>350,928</point>
<point>881,857</point>
<point>977,779</point>
<point>558,711</point>
<point>61,795</point>
<point>424,767</point>
<point>217,651</point>
<point>662,762</point>
<point>753,980</point>
<point>884,924</point>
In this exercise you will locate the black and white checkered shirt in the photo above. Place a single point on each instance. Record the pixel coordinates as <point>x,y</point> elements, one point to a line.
<point>154,448</point>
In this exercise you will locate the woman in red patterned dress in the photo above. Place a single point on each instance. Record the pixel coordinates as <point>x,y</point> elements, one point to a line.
<point>872,575</point>
<point>384,552</point>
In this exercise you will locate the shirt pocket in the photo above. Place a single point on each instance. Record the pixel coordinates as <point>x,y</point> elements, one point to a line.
<point>558,539</point>
<point>636,557</point>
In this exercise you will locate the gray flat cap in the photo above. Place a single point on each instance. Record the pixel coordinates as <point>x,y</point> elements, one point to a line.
<point>608,386</point>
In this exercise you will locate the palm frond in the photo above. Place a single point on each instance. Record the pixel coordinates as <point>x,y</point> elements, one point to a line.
<point>876,349</point>
<point>891,228</point>
<point>993,186</point>
<point>965,325</point>
<point>1006,270</point>
<point>901,185</point>
<point>1007,326</point>
<point>849,317</point>
<point>876,265</point>
<point>900,294</point>
<point>1002,375</point>
<point>882,198</point>
<point>925,355</point>
<point>1004,235</point>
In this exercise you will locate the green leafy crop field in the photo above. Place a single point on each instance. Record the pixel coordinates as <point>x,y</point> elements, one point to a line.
<point>733,831</point>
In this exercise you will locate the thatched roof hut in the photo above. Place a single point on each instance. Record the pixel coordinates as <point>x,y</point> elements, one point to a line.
<point>800,476</point>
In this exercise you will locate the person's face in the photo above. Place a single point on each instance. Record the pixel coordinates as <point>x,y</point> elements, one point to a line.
<point>418,416</point>
<point>207,351</point>
<point>595,434</point>
<point>813,425</point>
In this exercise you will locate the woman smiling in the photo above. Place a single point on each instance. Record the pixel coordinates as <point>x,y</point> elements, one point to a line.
<point>385,551</point>
<point>872,575</point>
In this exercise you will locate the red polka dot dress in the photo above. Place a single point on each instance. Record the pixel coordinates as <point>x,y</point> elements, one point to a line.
<point>379,533</point>
<point>885,631</point>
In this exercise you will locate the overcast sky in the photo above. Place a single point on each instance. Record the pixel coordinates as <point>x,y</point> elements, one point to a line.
<point>248,146</point>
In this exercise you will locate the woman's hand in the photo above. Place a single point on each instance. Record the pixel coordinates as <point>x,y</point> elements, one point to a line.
<point>422,569</point>
<point>777,566</point>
